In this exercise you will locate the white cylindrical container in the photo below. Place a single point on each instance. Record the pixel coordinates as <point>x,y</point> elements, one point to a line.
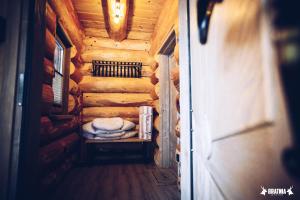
<point>146,121</point>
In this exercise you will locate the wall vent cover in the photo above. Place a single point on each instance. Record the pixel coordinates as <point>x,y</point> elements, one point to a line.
<point>117,69</point>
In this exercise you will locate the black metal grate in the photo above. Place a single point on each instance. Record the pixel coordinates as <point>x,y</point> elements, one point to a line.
<point>117,69</point>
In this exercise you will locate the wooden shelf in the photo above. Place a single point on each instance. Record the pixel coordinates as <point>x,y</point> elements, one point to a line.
<point>128,140</point>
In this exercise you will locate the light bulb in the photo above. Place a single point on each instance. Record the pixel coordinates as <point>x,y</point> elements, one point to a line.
<point>118,10</point>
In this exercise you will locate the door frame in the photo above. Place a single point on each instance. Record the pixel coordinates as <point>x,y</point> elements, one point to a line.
<point>186,110</point>
<point>20,97</point>
<point>164,99</point>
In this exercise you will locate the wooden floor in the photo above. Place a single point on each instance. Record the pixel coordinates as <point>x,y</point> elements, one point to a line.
<point>118,182</point>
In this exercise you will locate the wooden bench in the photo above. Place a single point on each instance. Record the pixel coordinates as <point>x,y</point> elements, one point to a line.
<point>87,145</point>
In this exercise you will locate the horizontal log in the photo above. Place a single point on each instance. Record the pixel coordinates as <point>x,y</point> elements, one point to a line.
<point>77,60</point>
<point>158,140</point>
<point>69,20</point>
<point>156,106</point>
<point>147,71</point>
<point>50,19</point>
<point>52,130</point>
<point>73,52</point>
<point>156,123</point>
<point>177,129</point>
<point>51,155</point>
<point>89,119</point>
<point>46,125</point>
<point>178,102</point>
<point>115,85</point>
<point>49,73</point>
<point>157,73</point>
<point>154,66</point>
<point>50,44</point>
<point>86,70</point>
<point>154,79</point>
<point>92,43</point>
<point>116,99</point>
<point>72,68</point>
<point>73,105</point>
<point>118,55</point>
<point>47,99</point>
<point>175,75</point>
<point>74,88</point>
<point>76,76</point>
<point>154,93</point>
<point>49,181</point>
<point>124,112</point>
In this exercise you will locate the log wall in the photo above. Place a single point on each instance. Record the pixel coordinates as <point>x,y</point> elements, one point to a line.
<point>59,138</point>
<point>156,118</point>
<point>113,96</point>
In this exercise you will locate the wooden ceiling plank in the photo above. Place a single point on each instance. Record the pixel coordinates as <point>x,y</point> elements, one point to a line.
<point>164,25</point>
<point>96,32</point>
<point>93,24</point>
<point>135,35</point>
<point>91,16</point>
<point>141,21</point>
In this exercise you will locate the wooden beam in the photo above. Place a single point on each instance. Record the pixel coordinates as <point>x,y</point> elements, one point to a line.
<point>50,44</point>
<point>69,20</point>
<point>50,19</point>
<point>116,17</point>
<point>92,43</point>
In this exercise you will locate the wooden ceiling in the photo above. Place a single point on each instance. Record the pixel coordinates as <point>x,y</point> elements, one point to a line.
<point>143,15</point>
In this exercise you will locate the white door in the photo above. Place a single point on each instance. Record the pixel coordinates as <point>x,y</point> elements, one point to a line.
<point>239,122</point>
